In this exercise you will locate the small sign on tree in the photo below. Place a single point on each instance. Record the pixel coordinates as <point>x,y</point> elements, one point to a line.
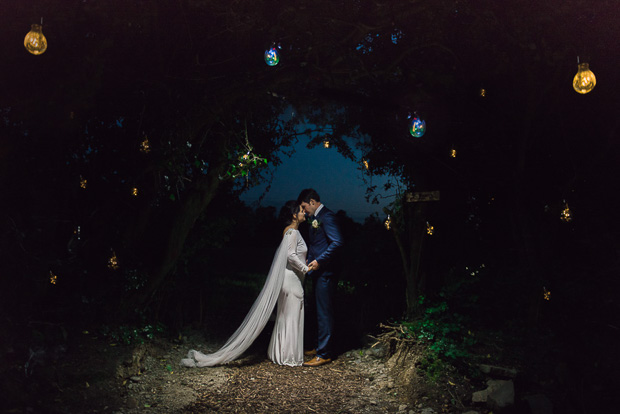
<point>422,196</point>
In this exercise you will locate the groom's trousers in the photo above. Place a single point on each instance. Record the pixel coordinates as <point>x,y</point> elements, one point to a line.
<point>324,288</point>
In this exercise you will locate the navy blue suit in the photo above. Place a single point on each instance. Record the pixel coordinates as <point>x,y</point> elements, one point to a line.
<point>323,242</point>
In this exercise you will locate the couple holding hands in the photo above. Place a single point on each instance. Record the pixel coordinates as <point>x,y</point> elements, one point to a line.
<point>284,286</point>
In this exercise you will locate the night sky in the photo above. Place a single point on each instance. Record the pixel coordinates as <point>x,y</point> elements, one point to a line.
<point>340,182</point>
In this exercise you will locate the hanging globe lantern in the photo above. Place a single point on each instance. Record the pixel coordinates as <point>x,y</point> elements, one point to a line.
<point>417,127</point>
<point>584,81</point>
<point>35,42</point>
<point>272,56</point>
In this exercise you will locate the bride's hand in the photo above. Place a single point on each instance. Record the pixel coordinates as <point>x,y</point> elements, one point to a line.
<point>313,266</point>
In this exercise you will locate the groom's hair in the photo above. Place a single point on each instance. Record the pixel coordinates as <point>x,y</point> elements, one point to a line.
<point>308,194</point>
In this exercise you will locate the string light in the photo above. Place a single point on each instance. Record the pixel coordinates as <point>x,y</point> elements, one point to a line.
<point>566,214</point>
<point>134,191</point>
<point>429,229</point>
<point>326,143</point>
<point>83,182</point>
<point>35,42</point>
<point>113,261</point>
<point>53,278</point>
<point>482,93</point>
<point>388,222</point>
<point>584,81</point>
<point>453,153</point>
<point>145,146</point>
<point>366,165</point>
<point>546,294</point>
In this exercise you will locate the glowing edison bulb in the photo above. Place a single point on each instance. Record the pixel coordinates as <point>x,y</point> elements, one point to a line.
<point>113,261</point>
<point>429,229</point>
<point>566,214</point>
<point>145,146</point>
<point>326,143</point>
<point>584,81</point>
<point>388,222</point>
<point>35,42</point>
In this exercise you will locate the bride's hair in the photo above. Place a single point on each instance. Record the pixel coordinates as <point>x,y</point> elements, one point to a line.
<point>287,212</point>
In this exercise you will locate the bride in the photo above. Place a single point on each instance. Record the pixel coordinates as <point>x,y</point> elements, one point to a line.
<point>284,284</point>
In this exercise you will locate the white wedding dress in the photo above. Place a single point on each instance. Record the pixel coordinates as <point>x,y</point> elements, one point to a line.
<point>284,285</point>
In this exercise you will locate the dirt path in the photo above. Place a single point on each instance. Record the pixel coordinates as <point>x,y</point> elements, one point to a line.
<point>355,382</point>
<point>94,376</point>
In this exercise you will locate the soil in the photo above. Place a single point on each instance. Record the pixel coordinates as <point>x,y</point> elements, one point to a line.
<point>96,376</point>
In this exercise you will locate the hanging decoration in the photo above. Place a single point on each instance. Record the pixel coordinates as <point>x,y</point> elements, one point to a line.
<point>429,229</point>
<point>326,143</point>
<point>584,81</point>
<point>113,262</point>
<point>546,294</point>
<point>35,42</point>
<point>53,278</point>
<point>453,153</point>
<point>482,93</point>
<point>244,161</point>
<point>145,146</point>
<point>134,191</point>
<point>417,126</point>
<point>272,55</point>
<point>83,182</point>
<point>566,214</point>
<point>366,165</point>
<point>388,222</point>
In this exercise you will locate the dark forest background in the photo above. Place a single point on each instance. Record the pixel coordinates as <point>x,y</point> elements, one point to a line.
<point>189,76</point>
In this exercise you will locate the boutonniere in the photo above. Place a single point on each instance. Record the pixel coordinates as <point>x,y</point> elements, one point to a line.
<point>315,224</point>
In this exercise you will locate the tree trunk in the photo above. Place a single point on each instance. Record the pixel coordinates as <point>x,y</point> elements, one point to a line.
<point>410,241</point>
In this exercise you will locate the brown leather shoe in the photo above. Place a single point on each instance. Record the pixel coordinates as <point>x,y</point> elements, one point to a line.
<point>317,362</point>
<point>310,353</point>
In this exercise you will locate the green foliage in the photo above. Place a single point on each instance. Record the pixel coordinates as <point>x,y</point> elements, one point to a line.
<point>130,335</point>
<point>447,339</point>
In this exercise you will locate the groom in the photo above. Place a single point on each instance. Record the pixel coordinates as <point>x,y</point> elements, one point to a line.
<point>324,240</point>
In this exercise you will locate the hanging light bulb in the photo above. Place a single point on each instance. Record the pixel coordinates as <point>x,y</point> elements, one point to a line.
<point>366,165</point>
<point>483,93</point>
<point>546,294</point>
<point>584,81</point>
<point>326,143</point>
<point>272,55</point>
<point>113,261</point>
<point>429,229</point>
<point>417,127</point>
<point>134,191</point>
<point>566,214</point>
<point>145,146</point>
<point>35,42</point>
<point>453,153</point>
<point>83,182</point>
<point>53,278</point>
<point>388,222</point>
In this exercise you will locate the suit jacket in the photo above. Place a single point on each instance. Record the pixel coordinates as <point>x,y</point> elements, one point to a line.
<point>325,240</point>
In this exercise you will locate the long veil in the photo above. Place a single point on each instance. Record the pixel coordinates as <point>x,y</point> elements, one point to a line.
<point>254,322</point>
